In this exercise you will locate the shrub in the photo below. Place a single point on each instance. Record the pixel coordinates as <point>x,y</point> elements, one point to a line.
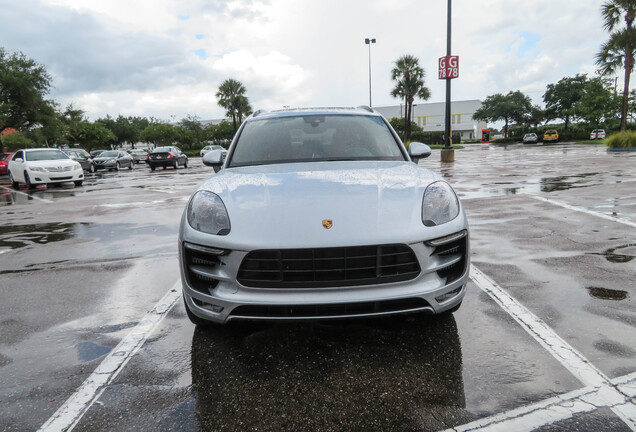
<point>625,139</point>
<point>16,141</point>
<point>434,137</point>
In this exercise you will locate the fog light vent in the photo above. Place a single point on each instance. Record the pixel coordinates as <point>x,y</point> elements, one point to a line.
<point>209,306</point>
<point>449,295</point>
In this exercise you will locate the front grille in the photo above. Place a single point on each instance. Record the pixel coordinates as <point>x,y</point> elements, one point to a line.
<point>454,253</point>
<point>59,169</point>
<point>201,264</point>
<point>328,267</point>
<point>329,310</point>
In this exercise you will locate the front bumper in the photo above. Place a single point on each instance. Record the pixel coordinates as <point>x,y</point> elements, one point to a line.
<point>221,298</point>
<point>38,177</point>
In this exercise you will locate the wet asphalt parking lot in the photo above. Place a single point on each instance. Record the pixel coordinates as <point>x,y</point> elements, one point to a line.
<point>94,336</point>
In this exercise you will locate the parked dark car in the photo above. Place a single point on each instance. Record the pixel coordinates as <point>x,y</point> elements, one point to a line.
<point>83,157</point>
<point>4,163</point>
<point>113,160</point>
<point>167,156</point>
<point>138,155</point>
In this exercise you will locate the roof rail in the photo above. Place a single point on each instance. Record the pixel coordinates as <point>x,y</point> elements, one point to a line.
<point>367,108</point>
<point>258,112</point>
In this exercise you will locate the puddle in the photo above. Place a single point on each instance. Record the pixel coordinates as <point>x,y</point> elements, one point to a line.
<point>561,183</point>
<point>628,254</point>
<point>88,351</point>
<point>607,294</point>
<point>19,236</point>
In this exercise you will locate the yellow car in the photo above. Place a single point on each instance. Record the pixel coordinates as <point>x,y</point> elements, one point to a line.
<point>550,136</point>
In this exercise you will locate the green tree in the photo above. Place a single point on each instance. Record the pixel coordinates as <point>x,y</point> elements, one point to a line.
<point>561,98</point>
<point>231,96</point>
<point>16,141</point>
<point>195,130</point>
<point>409,84</point>
<point>23,87</point>
<point>90,135</point>
<point>398,125</point>
<point>511,107</point>
<point>160,134</point>
<point>619,51</point>
<point>220,134</point>
<point>126,129</point>
<point>598,103</point>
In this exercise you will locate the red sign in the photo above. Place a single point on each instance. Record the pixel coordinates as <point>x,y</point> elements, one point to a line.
<point>449,67</point>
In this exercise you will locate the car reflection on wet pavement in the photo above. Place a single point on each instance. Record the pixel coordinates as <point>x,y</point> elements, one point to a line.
<point>395,374</point>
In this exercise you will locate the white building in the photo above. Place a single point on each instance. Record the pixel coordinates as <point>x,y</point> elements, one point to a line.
<point>430,117</point>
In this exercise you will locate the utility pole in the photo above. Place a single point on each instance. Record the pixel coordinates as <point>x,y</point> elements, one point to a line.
<point>369,41</point>
<point>448,69</point>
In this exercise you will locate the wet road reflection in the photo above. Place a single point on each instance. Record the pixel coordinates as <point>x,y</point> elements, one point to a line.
<point>403,373</point>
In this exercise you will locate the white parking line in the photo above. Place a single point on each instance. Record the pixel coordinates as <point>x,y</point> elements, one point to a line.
<point>607,395</point>
<point>69,414</point>
<point>27,195</point>
<point>584,210</point>
<point>549,411</point>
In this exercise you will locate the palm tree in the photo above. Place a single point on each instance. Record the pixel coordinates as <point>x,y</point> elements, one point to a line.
<point>409,77</point>
<point>619,51</point>
<point>231,96</point>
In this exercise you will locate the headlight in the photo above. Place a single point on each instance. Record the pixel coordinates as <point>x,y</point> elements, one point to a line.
<point>110,161</point>
<point>439,205</point>
<point>37,169</point>
<point>77,167</point>
<point>207,213</point>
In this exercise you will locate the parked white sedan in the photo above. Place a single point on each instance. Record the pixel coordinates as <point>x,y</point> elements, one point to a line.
<point>210,148</point>
<point>43,166</point>
<point>321,214</point>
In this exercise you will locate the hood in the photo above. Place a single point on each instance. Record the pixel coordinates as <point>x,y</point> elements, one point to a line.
<point>52,163</point>
<point>284,205</point>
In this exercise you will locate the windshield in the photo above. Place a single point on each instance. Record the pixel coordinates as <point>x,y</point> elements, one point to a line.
<point>41,155</point>
<point>108,154</point>
<point>315,138</point>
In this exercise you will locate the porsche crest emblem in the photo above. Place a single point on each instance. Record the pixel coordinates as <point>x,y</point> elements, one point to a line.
<point>327,223</point>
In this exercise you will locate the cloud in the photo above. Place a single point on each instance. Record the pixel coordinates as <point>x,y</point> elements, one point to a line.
<point>117,56</point>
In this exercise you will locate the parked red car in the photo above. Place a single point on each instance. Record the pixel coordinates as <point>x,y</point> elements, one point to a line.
<point>4,163</point>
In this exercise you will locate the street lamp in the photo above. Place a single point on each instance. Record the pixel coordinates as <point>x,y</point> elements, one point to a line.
<point>369,41</point>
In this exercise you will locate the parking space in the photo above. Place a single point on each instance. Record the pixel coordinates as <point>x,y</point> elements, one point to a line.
<point>544,340</point>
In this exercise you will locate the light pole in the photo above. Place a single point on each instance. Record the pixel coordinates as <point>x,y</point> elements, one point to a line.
<point>369,41</point>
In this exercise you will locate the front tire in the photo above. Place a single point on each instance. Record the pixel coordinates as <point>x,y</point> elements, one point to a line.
<point>117,166</point>
<point>132,165</point>
<point>185,163</point>
<point>27,181</point>
<point>14,183</point>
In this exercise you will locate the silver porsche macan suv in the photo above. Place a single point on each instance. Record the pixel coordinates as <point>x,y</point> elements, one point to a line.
<point>321,214</point>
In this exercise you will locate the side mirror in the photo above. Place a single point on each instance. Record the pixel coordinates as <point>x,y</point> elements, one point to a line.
<point>19,160</point>
<point>418,150</point>
<point>214,159</point>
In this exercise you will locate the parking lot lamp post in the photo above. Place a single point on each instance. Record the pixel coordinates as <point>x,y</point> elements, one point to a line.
<point>369,41</point>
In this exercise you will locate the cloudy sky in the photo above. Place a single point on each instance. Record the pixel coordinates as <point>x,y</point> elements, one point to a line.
<point>166,58</point>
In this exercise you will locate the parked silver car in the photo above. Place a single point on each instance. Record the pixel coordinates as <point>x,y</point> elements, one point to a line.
<point>530,138</point>
<point>321,214</point>
<point>113,160</point>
